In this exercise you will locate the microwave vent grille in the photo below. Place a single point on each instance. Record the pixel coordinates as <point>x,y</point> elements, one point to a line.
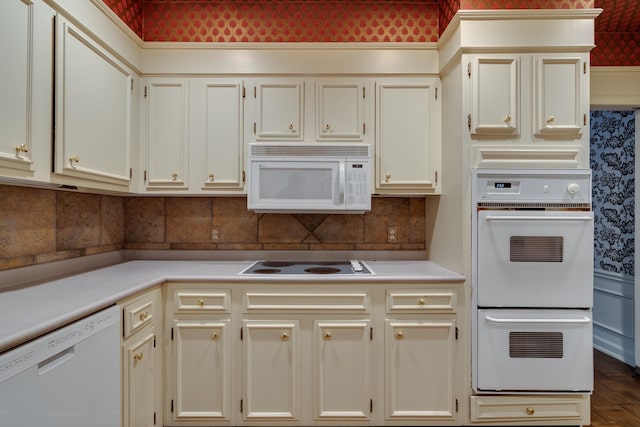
<point>310,150</point>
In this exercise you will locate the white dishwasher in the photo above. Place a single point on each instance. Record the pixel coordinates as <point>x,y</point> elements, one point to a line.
<point>69,377</point>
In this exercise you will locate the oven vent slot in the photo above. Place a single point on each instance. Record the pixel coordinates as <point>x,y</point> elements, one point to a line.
<point>309,150</point>
<point>536,248</point>
<point>536,345</point>
<point>535,205</point>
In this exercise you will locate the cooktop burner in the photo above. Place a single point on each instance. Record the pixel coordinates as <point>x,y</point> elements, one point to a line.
<point>308,267</point>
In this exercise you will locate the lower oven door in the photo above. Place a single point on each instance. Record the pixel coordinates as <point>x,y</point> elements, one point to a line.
<point>534,350</point>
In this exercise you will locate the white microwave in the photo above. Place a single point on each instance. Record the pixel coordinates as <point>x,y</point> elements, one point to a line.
<point>309,178</point>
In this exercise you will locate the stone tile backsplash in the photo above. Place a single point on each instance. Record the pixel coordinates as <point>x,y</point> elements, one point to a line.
<point>39,225</point>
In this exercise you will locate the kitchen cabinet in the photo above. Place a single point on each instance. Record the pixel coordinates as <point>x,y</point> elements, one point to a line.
<point>216,133</point>
<point>340,110</point>
<point>407,141</point>
<point>527,408</point>
<point>142,360</point>
<point>420,338</point>
<point>199,354</point>
<point>93,107</point>
<point>279,110</point>
<point>166,134</point>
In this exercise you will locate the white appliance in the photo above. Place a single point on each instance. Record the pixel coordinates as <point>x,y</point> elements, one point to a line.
<point>532,281</point>
<point>67,378</point>
<point>309,178</point>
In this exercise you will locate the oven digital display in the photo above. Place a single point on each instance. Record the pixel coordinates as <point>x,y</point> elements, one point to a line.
<point>502,185</point>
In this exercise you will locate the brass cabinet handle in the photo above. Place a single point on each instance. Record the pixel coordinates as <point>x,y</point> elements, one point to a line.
<point>212,177</point>
<point>174,176</point>
<point>22,148</point>
<point>399,335</point>
<point>143,316</point>
<point>327,335</point>
<point>138,356</point>
<point>421,301</point>
<point>215,335</point>
<point>291,126</point>
<point>201,302</point>
<point>550,120</point>
<point>530,410</point>
<point>508,119</point>
<point>74,159</point>
<point>387,177</point>
<point>284,336</point>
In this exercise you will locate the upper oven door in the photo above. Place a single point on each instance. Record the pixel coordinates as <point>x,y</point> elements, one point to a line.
<point>535,259</point>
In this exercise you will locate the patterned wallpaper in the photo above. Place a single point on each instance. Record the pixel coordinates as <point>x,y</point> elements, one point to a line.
<point>612,163</point>
<point>130,11</point>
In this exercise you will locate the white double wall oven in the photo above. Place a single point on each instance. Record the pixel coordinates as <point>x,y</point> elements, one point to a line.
<point>533,281</point>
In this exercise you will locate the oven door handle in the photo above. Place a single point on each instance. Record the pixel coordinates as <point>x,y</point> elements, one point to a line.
<point>538,218</point>
<point>584,319</point>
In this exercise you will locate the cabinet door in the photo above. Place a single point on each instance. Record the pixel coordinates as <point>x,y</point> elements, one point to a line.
<point>494,96</point>
<point>408,136</point>
<point>279,110</point>
<point>166,134</point>
<point>222,105</point>
<point>419,371</point>
<point>202,370</point>
<point>16,46</point>
<point>93,109</point>
<point>139,365</point>
<point>340,110</point>
<point>558,93</point>
<point>271,368</point>
<point>342,369</point>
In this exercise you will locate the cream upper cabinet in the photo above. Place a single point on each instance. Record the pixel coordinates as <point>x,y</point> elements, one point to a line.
<point>16,102</point>
<point>93,111</point>
<point>340,110</point>
<point>495,100</point>
<point>407,141</point>
<point>279,110</point>
<point>216,133</point>
<point>166,134</point>
<point>559,102</point>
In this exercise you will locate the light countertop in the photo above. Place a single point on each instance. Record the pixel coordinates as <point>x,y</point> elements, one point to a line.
<point>30,311</point>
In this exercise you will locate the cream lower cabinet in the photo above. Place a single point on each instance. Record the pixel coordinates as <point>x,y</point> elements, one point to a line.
<point>142,360</point>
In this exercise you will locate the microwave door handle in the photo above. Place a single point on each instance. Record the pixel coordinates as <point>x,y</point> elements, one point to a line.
<point>537,218</point>
<point>584,319</point>
<point>341,180</point>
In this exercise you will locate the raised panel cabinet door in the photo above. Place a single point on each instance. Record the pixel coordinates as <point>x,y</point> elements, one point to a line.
<point>495,108</point>
<point>342,370</point>
<point>167,134</point>
<point>408,136</point>
<point>340,110</point>
<point>93,109</point>
<point>279,110</point>
<point>202,360</point>
<point>558,90</point>
<point>224,109</point>
<point>271,370</point>
<point>139,375</point>
<point>419,371</point>
<point>16,47</point>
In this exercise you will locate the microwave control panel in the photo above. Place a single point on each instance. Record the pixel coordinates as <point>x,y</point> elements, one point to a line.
<point>358,185</point>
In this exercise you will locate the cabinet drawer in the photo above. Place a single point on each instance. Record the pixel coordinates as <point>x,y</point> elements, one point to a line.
<point>521,408</point>
<point>262,301</point>
<point>198,300</point>
<point>419,300</point>
<point>139,312</point>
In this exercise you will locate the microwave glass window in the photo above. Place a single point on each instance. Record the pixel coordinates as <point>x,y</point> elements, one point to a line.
<point>536,248</point>
<point>536,345</point>
<point>285,183</point>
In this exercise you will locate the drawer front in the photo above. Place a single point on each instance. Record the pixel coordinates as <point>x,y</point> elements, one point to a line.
<point>198,300</point>
<point>421,300</point>
<point>139,313</point>
<point>267,301</point>
<point>521,408</point>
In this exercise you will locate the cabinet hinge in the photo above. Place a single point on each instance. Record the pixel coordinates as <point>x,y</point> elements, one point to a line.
<point>171,334</point>
<point>171,405</point>
<point>130,173</point>
<point>584,67</point>
<point>469,69</point>
<point>254,128</point>
<point>456,332</point>
<point>244,177</point>
<point>371,405</point>
<point>244,92</point>
<point>363,92</point>
<point>584,119</point>
<point>469,122</point>
<point>131,85</point>
<point>364,128</point>
<point>241,334</point>
<point>255,92</point>
<point>145,176</point>
<point>436,94</point>
<point>145,92</point>
<point>154,341</point>
<point>370,334</point>
<point>154,419</point>
<point>436,177</point>
<point>241,405</point>
<point>456,405</point>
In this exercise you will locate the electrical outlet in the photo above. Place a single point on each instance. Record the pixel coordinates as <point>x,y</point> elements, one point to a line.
<point>215,234</point>
<point>392,234</point>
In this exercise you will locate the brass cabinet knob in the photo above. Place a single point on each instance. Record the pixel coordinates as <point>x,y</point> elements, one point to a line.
<point>291,126</point>
<point>399,335</point>
<point>22,148</point>
<point>174,176</point>
<point>284,336</point>
<point>137,357</point>
<point>212,177</point>
<point>530,410</point>
<point>421,301</point>
<point>550,120</point>
<point>201,302</point>
<point>387,177</point>
<point>215,335</point>
<point>327,128</point>
<point>507,118</point>
<point>74,159</point>
<point>327,335</point>
<point>143,316</point>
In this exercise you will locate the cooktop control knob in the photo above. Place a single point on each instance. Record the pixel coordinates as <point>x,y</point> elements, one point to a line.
<point>357,266</point>
<point>573,188</point>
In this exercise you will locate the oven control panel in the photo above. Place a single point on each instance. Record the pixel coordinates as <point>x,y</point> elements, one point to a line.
<point>563,185</point>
